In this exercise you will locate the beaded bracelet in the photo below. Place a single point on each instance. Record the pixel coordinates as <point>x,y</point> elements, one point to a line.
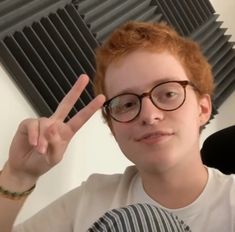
<point>15,195</point>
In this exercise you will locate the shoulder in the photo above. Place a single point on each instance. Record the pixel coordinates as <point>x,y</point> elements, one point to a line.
<point>219,176</point>
<point>223,181</point>
<point>100,193</point>
<point>100,184</point>
<point>83,204</point>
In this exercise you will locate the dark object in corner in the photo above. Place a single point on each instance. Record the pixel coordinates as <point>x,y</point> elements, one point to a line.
<point>218,150</point>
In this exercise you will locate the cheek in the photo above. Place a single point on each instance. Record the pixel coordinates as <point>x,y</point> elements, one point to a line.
<point>121,132</point>
<point>189,118</point>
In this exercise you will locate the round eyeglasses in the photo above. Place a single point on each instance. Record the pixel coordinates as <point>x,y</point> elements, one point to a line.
<point>166,96</point>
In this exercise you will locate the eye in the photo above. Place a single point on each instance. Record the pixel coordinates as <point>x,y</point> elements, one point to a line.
<point>166,95</point>
<point>170,94</point>
<point>129,104</point>
<point>124,104</point>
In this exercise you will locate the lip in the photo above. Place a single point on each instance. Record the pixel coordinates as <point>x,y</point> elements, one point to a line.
<point>155,137</point>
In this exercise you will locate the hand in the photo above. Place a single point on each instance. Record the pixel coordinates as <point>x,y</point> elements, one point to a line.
<point>39,144</point>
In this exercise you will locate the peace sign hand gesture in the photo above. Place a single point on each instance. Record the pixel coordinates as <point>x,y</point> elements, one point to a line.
<point>39,144</point>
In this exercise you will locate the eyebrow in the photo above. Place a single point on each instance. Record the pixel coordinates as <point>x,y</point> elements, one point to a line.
<point>136,89</point>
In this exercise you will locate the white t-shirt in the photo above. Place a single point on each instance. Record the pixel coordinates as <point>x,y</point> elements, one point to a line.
<point>213,211</point>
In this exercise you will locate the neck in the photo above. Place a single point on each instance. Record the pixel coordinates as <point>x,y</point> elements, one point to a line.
<point>178,187</point>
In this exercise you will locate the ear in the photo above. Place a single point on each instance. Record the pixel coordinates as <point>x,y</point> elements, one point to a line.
<point>205,108</point>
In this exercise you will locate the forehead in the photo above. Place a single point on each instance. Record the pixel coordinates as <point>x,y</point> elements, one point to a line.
<point>140,70</point>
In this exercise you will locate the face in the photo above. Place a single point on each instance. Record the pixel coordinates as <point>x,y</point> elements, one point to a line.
<point>156,140</point>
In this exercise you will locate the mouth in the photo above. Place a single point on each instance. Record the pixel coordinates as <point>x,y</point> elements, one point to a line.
<point>155,137</point>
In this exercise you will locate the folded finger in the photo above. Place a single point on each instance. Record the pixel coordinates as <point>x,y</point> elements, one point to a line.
<point>56,144</point>
<point>42,142</point>
<point>30,128</point>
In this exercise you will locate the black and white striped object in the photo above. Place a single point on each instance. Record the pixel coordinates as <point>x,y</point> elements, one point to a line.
<point>139,218</point>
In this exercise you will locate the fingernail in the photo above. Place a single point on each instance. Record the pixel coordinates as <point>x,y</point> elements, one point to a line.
<point>42,149</point>
<point>34,142</point>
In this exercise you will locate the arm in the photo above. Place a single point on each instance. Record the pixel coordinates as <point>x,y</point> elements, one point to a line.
<point>9,207</point>
<point>38,145</point>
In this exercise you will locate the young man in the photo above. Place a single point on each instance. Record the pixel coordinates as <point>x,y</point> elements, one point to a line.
<point>158,88</point>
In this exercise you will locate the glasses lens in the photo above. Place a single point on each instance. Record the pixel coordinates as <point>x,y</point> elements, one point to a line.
<point>125,107</point>
<point>168,96</point>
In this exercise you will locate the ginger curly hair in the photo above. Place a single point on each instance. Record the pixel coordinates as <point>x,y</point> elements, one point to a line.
<point>154,37</point>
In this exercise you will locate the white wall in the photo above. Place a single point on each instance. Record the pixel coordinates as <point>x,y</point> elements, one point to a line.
<point>89,151</point>
<point>226,116</point>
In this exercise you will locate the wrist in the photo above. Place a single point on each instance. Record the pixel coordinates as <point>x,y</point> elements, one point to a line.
<point>14,181</point>
<point>15,195</point>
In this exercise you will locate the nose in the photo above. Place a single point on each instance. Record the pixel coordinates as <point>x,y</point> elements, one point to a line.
<point>150,114</point>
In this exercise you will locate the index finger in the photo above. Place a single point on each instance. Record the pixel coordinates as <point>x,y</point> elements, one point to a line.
<point>70,98</point>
